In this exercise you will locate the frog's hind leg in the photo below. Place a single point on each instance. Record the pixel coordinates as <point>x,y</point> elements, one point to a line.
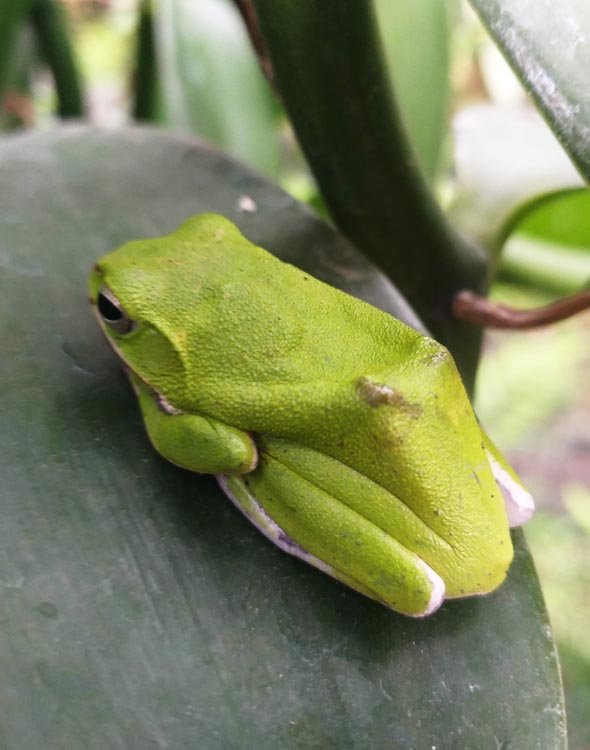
<point>236,490</point>
<point>286,507</point>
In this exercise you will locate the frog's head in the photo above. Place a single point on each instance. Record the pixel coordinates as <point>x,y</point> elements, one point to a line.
<point>126,292</point>
<point>149,295</point>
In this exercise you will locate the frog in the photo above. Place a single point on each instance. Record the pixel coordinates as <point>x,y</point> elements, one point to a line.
<point>343,434</point>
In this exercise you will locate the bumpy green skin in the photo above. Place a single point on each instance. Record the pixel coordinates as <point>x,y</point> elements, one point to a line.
<point>368,456</point>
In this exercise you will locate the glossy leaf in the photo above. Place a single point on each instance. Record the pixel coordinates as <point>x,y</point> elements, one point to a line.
<point>548,46</point>
<point>139,608</point>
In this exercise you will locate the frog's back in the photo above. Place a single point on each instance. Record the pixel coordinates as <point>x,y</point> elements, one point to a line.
<point>233,307</point>
<point>258,305</point>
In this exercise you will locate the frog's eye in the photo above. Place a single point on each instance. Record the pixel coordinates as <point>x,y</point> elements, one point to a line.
<point>112,313</point>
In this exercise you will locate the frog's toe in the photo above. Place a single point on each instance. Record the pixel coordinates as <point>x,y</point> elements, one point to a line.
<point>520,505</point>
<point>437,593</point>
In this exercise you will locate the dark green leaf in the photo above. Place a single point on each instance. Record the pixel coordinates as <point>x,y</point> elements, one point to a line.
<point>139,609</point>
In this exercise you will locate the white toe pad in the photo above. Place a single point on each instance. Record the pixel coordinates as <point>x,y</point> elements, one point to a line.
<point>520,505</point>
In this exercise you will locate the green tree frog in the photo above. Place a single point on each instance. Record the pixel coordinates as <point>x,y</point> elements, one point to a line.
<point>344,435</point>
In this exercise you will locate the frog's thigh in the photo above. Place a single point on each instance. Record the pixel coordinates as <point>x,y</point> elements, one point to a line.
<point>197,442</point>
<point>316,527</point>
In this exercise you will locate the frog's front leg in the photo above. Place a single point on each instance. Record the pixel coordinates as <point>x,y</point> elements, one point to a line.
<point>194,441</point>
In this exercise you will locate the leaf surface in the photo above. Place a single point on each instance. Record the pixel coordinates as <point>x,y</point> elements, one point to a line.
<point>139,608</point>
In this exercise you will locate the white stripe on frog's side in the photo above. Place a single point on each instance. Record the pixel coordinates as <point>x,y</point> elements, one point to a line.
<point>271,530</point>
<point>520,505</point>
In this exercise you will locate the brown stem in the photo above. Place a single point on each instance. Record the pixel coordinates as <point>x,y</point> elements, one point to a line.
<point>480,311</point>
<point>248,14</point>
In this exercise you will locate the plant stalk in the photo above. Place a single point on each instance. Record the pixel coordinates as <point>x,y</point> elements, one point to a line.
<point>332,76</point>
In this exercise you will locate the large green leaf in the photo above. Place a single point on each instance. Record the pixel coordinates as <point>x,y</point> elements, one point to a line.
<point>548,45</point>
<point>139,609</point>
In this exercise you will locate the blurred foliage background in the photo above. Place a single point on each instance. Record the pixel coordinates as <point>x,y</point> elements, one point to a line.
<point>535,399</point>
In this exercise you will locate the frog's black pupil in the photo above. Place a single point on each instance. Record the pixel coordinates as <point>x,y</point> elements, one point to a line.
<point>108,310</point>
